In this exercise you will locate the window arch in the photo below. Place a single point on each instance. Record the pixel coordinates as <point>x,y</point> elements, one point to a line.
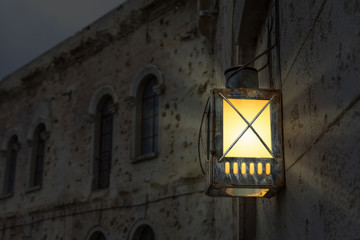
<point>102,109</point>
<point>97,233</point>
<point>142,230</point>
<point>11,154</point>
<point>38,156</point>
<point>98,236</point>
<point>145,233</point>
<point>144,97</point>
<point>37,136</point>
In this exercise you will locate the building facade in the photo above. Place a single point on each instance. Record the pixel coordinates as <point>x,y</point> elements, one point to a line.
<point>99,135</point>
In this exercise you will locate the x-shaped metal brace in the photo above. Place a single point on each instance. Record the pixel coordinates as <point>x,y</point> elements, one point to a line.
<point>249,125</point>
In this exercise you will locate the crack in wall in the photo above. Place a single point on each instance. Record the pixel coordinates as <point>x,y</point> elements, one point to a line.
<point>311,30</point>
<point>327,129</point>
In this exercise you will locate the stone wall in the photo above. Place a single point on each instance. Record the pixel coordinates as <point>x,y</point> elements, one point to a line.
<point>165,192</point>
<point>318,56</point>
<point>314,62</point>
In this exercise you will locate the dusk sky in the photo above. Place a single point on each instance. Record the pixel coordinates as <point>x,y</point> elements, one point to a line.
<point>28,28</point>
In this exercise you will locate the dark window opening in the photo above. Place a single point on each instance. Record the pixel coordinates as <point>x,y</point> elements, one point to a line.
<point>10,167</point>
<point>149,119</point>
<point>39,156</point>
<point>98,236</point>
<point>105,143</point>
<point>147,234</point>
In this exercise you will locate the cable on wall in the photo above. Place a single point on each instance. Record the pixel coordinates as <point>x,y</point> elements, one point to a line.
<point>200,142</point>
<point>277,38</point>
<point>241,67</point>
<point>101,209</point>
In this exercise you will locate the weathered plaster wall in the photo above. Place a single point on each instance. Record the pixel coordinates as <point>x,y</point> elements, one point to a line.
<point>168,190</point>
<point>318,76</point>
<point>319,42</point>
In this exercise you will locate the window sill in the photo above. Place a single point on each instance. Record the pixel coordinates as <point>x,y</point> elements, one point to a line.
<point>33,189</point>
<point>94,190</point>
<point>97,194</point>
<point>7,195</point>
<point>145,157</point>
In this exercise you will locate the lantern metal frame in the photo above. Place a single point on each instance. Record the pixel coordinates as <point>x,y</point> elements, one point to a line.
<point>236,183</point>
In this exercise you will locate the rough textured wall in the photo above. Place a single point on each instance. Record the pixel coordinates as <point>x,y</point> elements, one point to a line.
<point>319,49</point>
<point>167,190</point>
<point>320,87</point>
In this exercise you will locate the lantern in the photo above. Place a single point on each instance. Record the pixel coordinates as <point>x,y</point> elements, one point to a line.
<point>245,143</point>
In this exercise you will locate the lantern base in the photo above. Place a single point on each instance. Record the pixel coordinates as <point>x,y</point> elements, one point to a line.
<point>240,192</point>
<point>247,192</point>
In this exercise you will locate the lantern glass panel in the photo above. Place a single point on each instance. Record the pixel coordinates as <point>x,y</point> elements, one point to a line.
<point>249,145</point>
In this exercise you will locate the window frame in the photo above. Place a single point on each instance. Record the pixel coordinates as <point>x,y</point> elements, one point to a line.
<point>135,100</point>
<point>100,150</point>
<point>153,118</point>
<point>37,162</point>
<point>10,164</point>
<point>94,118</point>
<point>45,120</point>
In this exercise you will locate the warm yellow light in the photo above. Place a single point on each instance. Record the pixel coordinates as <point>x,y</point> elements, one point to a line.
<point>243,168</point>
<point>235,168</point>
<point>252,168</point>
<point>260,168</point>
<point>268,169</point>
<point>247,192</point>
<point>249,144</point>
<point>227,167</point>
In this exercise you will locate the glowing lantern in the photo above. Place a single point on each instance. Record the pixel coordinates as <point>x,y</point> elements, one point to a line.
<point>245,149</point>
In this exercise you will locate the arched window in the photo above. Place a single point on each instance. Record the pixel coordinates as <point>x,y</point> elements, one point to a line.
<point>97,233</point>
<point>143,232</point>
<point>104,115</point>
<point>38,156</point>
<point>146,233</point>
<point>10,166</point>
<point>144,98</point>
<point>149,118</point>
<point>102,109</point>
<point>98,236</point>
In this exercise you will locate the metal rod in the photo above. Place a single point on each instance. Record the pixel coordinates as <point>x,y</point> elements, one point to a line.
<point>212,125</point>
<point>249,125</point>
<point>251,61</point>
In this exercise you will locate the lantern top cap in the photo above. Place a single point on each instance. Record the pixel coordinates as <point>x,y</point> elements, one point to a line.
<point>241,77</point>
